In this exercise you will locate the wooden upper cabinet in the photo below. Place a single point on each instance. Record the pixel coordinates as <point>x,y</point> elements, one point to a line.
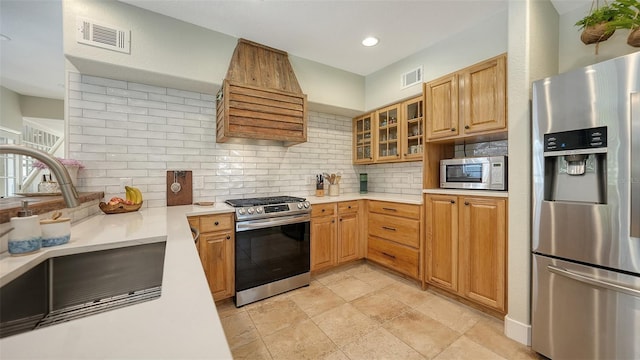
<point>484,89</point>
<point>467,103</point>
<point>388,132</point>
<point>412,127</point>
<point>441,99</point>
<point>363,139</point>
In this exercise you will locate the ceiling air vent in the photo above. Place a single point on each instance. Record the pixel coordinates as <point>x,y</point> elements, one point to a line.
<point>411,77</point>
<point>91,32</point>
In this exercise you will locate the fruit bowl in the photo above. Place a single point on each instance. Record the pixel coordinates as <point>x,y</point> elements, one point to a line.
<point>118,208</point>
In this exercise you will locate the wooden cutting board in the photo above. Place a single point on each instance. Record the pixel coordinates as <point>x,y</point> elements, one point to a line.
<point>185,195</point>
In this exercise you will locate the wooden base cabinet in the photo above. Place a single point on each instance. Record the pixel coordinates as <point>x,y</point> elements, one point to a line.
<point>394,236</point>
<point>335,234</point>
<point>466,247</point>
<point>216,249</point>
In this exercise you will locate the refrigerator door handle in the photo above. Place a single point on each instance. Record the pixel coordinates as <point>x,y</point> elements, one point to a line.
<point>634,230</point>
<point>591,281</point>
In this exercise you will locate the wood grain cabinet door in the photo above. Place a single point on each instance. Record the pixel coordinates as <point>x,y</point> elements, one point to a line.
<point>323,242</point>
<point>348,237</point>
<point>441,104</point>
<point>483,89</point>
<point>482,250</point>
<point>216,254</point>
<point>441,214</point>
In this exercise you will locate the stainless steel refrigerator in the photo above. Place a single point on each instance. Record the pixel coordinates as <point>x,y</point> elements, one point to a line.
<point>586,212</point>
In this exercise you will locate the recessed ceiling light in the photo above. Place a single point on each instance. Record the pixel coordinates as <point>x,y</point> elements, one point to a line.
<point>4,37</point>
<point>370,41</point>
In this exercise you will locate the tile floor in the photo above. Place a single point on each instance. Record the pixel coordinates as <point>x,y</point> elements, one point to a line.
<point>364,312</point>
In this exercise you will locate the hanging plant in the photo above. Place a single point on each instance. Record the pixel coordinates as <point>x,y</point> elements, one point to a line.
<point>627,17</point>
<point>596,26</point>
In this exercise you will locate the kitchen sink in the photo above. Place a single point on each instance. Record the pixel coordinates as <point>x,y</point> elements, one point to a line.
<point>69,287</point>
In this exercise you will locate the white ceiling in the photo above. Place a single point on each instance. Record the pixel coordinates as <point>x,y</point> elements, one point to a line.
<point>327,32</point>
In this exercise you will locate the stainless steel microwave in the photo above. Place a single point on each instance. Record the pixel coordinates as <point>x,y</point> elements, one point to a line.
<point>482,173</point>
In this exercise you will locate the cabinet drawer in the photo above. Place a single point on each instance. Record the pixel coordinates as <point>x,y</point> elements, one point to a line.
<point>398,257</point>
<point>401,230</point>
<point>347,207</point>
<point>210,223</point>
<point>395,209</point>
<point>323,209</point>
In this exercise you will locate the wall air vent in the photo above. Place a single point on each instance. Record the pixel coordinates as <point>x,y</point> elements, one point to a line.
<point>411,78</point>
<point>90,32</point>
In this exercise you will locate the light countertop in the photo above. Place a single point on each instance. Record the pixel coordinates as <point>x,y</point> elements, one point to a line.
<point>465,192</point>
<point>183,323</point>
<point>402,198</point>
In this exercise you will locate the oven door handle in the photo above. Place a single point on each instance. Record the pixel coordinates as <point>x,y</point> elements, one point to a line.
<point>271,222</point>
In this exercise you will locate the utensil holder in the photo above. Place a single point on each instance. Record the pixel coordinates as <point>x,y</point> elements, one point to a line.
<point>26,236</point>
<point>334,189</point>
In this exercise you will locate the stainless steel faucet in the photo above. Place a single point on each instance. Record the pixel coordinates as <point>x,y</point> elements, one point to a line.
<point>69,192</point>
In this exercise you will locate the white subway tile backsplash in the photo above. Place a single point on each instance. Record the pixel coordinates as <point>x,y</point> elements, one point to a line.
<point>162,129</point>
<point>84,104</point>
<point>94,80</point>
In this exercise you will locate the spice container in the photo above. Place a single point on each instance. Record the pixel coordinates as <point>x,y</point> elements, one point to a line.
<point>26,236</point>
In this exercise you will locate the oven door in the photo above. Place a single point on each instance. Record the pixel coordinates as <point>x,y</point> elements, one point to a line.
<point>273,249</point>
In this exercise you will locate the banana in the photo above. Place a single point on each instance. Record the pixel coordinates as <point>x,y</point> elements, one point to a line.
<point>133,194</point>
<point>129,194</point>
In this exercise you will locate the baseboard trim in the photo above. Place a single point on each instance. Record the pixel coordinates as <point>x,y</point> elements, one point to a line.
<point>517,331</point>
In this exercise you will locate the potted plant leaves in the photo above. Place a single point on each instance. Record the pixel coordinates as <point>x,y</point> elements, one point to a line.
<point>628,17</point>
<point>597,25</point>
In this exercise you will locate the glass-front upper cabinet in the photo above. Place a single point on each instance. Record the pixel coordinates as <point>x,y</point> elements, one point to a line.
<point>413,129</point>
<point>363,139</point>
<point>388,133</point>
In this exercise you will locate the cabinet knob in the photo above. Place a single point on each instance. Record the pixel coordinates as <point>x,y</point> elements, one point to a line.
<point>228,237</point>
<point>466,203</point>
<point>333,221</point>
<point>453,129</point>
<point>453,201</point>
<point>323,210</point>
<point>349,206</point>
<point>340,219</point>
<point>466,127</point>
<point>216,223</point>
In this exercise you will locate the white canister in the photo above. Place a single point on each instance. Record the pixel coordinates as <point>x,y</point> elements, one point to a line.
<point>334,189</point>
<point>55,232</point>
<point>26,236</point>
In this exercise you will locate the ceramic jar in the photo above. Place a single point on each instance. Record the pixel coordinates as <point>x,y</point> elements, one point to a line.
<point>55,232</point>
<point>26,236</point>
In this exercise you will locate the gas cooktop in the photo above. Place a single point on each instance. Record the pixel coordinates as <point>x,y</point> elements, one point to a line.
<point>268,207</point>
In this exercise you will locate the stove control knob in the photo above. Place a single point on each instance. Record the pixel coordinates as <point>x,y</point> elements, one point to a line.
<point>306,204</point>
<point>299,205</point>
<point>250,211</point>
<point>241,211</point>
<point>259,210</point>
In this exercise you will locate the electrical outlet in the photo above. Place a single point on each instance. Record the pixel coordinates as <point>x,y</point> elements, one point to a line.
<point>126,182</point>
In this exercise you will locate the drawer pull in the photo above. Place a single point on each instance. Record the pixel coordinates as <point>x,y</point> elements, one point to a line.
<point>389,255</point>
<point>216,223</point>
<point>453,129</point>
<point>453,201</point>
<point>389,209</point>
<point>323,210</point>
<point>389,228</point>
<point>466,203</point>
<point>228,237</point>
<point>467,127</point>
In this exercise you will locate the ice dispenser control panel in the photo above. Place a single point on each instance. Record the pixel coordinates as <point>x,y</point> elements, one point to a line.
<point>576,139</point>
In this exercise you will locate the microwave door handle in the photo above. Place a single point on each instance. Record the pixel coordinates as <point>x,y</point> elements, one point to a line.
<point>634,226</point>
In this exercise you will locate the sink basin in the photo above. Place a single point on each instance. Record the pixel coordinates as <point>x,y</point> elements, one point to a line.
<point>68,287</point>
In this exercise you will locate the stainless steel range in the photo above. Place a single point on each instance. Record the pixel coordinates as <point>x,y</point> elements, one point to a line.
<point>272,249</point>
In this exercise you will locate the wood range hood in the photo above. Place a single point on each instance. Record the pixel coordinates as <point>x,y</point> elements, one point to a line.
<point>260,97</point>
